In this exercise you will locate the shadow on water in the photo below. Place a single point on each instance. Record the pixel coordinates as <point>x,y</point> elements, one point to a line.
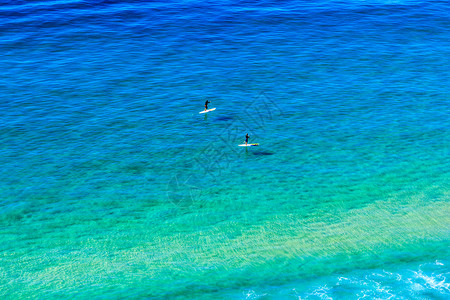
<point>224,118</point>
<point>263,153</point>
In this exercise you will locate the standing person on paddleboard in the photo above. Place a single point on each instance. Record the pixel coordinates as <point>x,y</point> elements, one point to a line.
<point>246,138</point>
<point>206,104</point>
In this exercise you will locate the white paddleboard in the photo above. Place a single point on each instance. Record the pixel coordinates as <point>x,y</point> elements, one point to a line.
<point>248,145</point>
<point>205,111</point>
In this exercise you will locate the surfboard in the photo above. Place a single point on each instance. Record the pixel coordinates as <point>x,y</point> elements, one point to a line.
<point>205,111</point>
<point>248,145</point>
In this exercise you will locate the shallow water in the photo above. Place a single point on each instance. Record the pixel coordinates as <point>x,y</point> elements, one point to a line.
<point>113,186</point>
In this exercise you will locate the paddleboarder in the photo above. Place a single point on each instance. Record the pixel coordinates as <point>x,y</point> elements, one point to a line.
<point>206,104</point>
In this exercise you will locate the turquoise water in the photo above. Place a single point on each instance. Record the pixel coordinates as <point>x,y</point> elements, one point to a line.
<point>113,186</point>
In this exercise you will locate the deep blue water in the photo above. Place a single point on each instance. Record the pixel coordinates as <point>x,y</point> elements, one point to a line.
<point>112,185</point>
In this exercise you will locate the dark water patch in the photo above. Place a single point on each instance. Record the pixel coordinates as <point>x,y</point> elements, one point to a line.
<point>224,118</point>
<point>263,153</point>
<point>136,168</point>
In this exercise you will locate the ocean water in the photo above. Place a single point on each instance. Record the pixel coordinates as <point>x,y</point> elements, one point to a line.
<point>113,186</point>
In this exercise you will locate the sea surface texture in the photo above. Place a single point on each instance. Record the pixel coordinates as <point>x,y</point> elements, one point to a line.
<point>113,186</point>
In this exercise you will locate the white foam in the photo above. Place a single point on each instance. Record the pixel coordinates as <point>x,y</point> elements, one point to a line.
<point>251,294</point>
<point>321,292</point>
<point>434,282</point>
